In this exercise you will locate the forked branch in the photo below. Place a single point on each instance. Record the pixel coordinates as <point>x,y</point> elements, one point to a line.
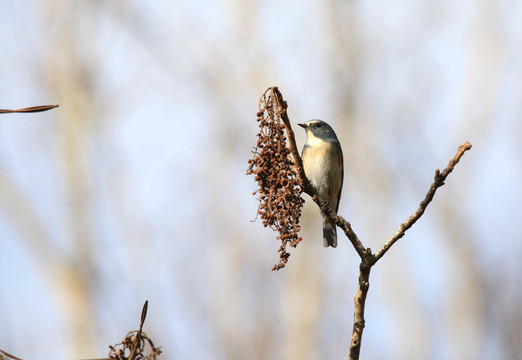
<point>277,113</point>
<point>437,183</point>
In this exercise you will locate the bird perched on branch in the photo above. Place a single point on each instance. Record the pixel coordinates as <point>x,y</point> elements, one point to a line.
<point>323,166</point>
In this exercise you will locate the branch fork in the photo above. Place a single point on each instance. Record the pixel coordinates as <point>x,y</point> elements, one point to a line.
<point>368,258</point>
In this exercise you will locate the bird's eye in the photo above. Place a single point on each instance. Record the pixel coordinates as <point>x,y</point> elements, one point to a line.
<point>318,125</point>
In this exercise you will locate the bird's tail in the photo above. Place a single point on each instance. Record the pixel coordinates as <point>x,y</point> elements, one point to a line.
<point>329,233</point>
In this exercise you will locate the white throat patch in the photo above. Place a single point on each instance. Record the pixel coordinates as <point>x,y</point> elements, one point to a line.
<point>312,140</point>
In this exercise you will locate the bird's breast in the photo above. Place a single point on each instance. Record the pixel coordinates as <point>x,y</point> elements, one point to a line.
<point>323,166</point>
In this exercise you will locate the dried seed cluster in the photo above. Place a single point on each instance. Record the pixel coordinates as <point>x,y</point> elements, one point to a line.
<point>279,190</point>
<point>133,347</point>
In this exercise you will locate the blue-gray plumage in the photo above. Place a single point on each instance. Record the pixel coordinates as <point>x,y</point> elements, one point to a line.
<point>323,166</point>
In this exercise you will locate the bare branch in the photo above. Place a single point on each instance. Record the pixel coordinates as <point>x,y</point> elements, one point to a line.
<point>358,313</point>
<point>437,183</point>
<point>283,106</point>
<point>370,259</point>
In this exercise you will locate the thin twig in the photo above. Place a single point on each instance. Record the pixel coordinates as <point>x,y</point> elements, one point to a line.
<point>437,183</point>
<point>283,113</point>
<point>7,356</point>
<point>29,109</point>
<point>135,350</point>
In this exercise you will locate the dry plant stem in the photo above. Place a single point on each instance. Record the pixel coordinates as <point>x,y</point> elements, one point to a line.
<point>29,109</point>
<point>134,352</point>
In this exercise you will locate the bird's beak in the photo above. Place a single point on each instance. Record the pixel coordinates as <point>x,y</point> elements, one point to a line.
<point>302,125</point>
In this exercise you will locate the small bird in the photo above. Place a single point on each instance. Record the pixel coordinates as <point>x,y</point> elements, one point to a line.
<point>323,166</point>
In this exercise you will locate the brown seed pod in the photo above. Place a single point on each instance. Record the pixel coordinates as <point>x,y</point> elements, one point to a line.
<point>272,165</point>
